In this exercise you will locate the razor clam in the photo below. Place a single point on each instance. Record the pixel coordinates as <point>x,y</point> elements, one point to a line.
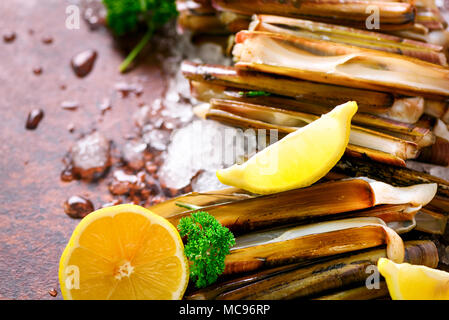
<point>234,22</point>
<point>437,153</point>
<point>288,121</point>
<point>359,293</point>
<point>305,280</point>
<point>198,7</point>
<point>430,18</point>
<point>349,36</point>
<point>425,140</point>
<point>439,204</point>
<point>400,117</point>
<point>319,200</point>
<point>400,217</point>
<point>201,23</point>
<point>351,150</point>
<point>441,129</point>
<point>435,108</point>
<point>333,63</point>
<point>326,94</point>
<point>200,199</point>
<point>392,15</point>
<point>291,244</point>
<point>431,222</point>
<point>397,176</point>
<point>421,33</point>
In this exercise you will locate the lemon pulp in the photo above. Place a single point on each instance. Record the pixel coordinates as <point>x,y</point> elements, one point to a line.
<point>414,282</point>
<point>124,252</point>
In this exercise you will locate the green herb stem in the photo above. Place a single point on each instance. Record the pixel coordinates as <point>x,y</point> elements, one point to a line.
<point>137,49</point>
<point>187,206</point>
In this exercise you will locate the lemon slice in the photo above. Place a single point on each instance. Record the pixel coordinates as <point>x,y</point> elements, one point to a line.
<point>413,282</point>
<point>124,252</point>
<point>299,159</point>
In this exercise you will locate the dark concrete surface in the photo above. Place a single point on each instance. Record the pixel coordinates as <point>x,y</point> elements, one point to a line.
<point>33,226</point>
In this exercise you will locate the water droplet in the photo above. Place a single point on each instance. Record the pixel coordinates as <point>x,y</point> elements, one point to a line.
<point>71,127</point>
<point>78,207</point>
<point>9,36</point>
<point>34,118</point>
<point>70,105</point>
<point>83,62</point>
<point>37,70</point>
<point>47,40</point>
<point>53,292</point>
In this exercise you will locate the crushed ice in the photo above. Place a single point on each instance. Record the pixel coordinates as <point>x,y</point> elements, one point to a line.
<point>195,147</point>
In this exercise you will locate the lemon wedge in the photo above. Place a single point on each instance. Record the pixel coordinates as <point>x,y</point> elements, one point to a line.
<point>124,252</point>
<point>413,282</point>
<point>299,159</point>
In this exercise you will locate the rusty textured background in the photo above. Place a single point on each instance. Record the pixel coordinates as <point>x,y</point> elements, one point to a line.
<point>33,226</point>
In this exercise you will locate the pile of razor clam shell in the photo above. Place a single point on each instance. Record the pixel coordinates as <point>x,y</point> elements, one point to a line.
<point>291,64</point>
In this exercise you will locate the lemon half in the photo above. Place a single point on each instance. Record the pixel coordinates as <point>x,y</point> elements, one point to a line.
<point>124,252</point>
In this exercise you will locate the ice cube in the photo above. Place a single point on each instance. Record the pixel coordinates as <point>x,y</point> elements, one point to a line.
<point>201,145</point>
<point>157,139</point>
<point>133,154</point>
<point>90,156</point>
<point>207,181</point>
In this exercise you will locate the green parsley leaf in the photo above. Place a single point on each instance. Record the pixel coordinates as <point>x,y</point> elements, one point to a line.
<point>125,16</point>
<point>208,243</point>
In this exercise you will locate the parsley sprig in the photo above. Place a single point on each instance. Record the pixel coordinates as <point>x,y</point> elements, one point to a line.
<point>208,243</point>
<point>125,16</point>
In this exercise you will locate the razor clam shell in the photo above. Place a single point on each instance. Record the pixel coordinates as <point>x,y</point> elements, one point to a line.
<point>287,245</point>
<point>392,15</point>
<point>301,205</point>
<point>340,64</point>
<point>359,293</point>
<point>202,199</point>
<point>289,121</point>
<point>437,154</point>
<point>325,94</point>
<point>351,150</point>
<point>204,23</point>
<point>313,278</point>
<point>396,176</point>
<point>431,222</point>
<point>292,206</point>
<point>349,36</point>
<point>337,273</point>
<point>372,118</point>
